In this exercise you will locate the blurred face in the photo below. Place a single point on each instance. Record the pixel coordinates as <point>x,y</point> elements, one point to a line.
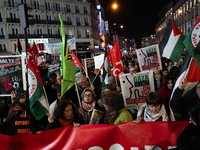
<point>22,99</point>
<point>170,84</point>
<point>46,83</point>
<point>105,91</point>
<point>58,79</point>
<point>88,97</point>
<point>157,72</point>
<point>53,80</point>
<point>133,70</point>
<point>84,83</point>
<point>59,96</point>
<point>155,109</point>
<point>68,112</point>
<point>130,64</point>
<point>198,90</point>
<point>165,73</point>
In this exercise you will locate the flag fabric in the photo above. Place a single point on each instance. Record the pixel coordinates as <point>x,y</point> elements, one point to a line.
<point>116,60</point>
<point>107,65</point>
<point>172,44</point>
<point>37,57</point>
<point>67,69</point>
<point>18,47</point>
<point>193,77</point>
<point>76,63</point>
<point>191,41</point>
<point>38,103</point>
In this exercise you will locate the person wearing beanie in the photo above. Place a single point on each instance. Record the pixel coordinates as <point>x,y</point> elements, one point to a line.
<point>112,81</point>
<point>19,117</point>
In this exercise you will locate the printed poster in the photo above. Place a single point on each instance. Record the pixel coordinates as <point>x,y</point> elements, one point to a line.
<point>149,58</point>
<point>12,74</point>
<point>54,68</point>
<point>135,87</point>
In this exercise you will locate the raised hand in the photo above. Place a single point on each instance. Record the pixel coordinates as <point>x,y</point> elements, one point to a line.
<point>6,84</point>
<point>50,118</point>
<point>182,83</point>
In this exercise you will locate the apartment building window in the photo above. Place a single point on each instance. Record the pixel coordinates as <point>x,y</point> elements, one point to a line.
<point>68,8</point>
<point>58,31</point>
<point>14,32</point>
<point>49,19</point>
<point>28,32</point>
<point>86,22</point>
<point>12,3</point>
<point>3,48</point>
<point>85,10</point>
<point>38,18</point>
<point>1,19</point>
<point>48,6</point>
<point>37,4</point>
<point>13,17</point>
<point>58,7</point>
<point>50,32</point>
<point>39,32</point>
<point>87,33</point>
<point>70,33</point>
<point>2,35</point>
<point>69,20</point>
<point>79,33</point>
<point>77,9</point>
<point>78,22</point>
<point>196,11</point>
<point>24,1</point>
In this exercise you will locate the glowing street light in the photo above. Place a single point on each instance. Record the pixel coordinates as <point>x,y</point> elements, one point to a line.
<point>114,6</point>
<point>121,26</point>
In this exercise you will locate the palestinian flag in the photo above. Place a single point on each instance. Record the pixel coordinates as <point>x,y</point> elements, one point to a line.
<point>37,57</point>
<point>107,65</point>
<point>67,69</point>
<point>172,45</point>
<point>193,77</point>
<point>76,63</point>
<point>192,40</point>
<point>19,47</point>
<point>38,103</point>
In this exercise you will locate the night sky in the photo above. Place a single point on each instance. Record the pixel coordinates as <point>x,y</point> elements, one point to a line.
<point>139,17</point>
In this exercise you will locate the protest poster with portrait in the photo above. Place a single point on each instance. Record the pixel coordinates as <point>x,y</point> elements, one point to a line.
<point>135,87</point>
<point>12,74</point>
<point>149,58</point>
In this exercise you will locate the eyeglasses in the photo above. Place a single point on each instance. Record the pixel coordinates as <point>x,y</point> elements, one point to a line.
<point>89,95</point>
<point>84,81</point>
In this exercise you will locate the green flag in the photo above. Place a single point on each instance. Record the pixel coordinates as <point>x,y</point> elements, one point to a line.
<point>67,70</point>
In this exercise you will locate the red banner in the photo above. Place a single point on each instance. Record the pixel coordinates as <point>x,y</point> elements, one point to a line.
<point>98,137</point>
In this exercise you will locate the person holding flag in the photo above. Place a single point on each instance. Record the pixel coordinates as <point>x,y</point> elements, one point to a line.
<point>187,92</point>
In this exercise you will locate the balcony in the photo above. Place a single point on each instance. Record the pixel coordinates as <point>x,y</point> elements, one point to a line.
<point>2,36</point>
<point>13,20</point>
<point>3,50</point>
<point>14,36</point>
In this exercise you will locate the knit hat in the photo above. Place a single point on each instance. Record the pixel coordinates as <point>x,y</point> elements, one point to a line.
<point>20,93</point>
<point>111,79</point>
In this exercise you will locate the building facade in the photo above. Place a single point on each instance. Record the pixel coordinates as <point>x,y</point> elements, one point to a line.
<point>183,13</point>
<point>148,41</point>
<point>78,16</point>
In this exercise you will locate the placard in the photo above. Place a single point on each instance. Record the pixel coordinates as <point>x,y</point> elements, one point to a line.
<point>12,74</point>
<point>54,68</point>
<point>135,87</point>
<point>88,64</point>
<point>149,58</point>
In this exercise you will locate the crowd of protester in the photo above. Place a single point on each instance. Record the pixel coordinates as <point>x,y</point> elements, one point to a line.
<point>66,110</point>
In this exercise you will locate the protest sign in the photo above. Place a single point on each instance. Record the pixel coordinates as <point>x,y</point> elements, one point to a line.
<point>135,87</point>
<point>88,64</point>
<point>149,58</point>
<point>53,48</point>
<point>54,68</point>
<point>12,74</point>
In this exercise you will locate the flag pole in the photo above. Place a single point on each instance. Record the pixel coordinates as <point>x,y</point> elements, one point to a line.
<point>45,95</point>
<point>86,75</point>
<point>96,76</point>
<point>78,94</point>
<point>116,81</point>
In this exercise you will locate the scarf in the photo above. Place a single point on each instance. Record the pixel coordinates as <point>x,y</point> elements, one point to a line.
<point>65,122</point>
<point>89,107</point>
<point>110,116</point>
<point>148,116</point>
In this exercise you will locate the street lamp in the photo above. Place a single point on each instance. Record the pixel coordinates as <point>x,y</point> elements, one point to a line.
<point>121,26</point>
<point>114,6</point>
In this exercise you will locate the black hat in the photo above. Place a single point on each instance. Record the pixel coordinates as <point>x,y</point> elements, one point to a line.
<point>20,93</point>
<point>107,86</point>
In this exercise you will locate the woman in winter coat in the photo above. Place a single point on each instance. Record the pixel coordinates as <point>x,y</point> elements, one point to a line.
<point>64,116</point>
<point>116,111</point>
